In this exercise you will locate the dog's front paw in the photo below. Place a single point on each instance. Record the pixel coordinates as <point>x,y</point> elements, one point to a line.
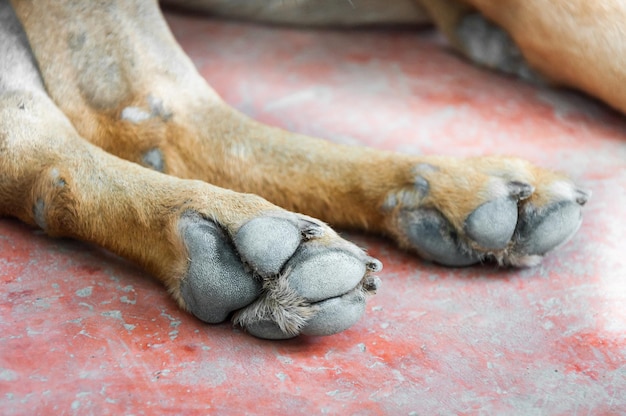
<point>459,213</point>
<point>278,275</point>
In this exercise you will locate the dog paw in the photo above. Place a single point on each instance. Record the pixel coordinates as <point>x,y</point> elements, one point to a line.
<point>488,45</point>
<point>278,275</point>
<point>459,213</point>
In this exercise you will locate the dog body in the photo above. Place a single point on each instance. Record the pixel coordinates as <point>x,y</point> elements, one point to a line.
<point>109,135</point>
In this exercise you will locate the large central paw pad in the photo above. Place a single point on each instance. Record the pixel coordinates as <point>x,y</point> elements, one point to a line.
<point>278,276</point>
<point>486,209</point>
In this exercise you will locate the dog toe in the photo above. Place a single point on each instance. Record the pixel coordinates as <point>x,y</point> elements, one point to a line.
<point>336,314</point>
<point>539,233</point>
<point>320,291</point>
<point>267,255</point>
<point>435,239</point>
<point>492,224</point>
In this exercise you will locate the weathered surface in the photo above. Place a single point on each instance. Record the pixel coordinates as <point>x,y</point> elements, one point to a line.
<point>82,332</point>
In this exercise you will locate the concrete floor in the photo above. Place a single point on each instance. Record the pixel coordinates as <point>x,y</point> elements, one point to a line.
<point>83,332</point>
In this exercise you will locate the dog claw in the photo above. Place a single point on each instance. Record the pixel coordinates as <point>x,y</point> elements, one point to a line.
<point>371,284</point>
<point>520,190</point>
<point>582,196</point>
<point>310,229</point>
<point>374,265</point>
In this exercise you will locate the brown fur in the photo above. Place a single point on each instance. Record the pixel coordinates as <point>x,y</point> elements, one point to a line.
<point>91,191</point>
<point>578,44</point>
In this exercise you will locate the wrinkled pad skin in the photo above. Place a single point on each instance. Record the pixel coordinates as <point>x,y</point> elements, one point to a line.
<point>216,283</point>
<point>332,316</point>
<point>267,329</point>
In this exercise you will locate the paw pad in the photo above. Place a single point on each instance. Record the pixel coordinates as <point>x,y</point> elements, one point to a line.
<point>543,231</point>
<point>492,208</point>
<point>492,224</point>
<point>434,238</point>
<point>280,275</point>
<point>267,255</point>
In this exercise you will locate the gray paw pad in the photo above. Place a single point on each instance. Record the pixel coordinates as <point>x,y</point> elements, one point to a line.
<point>492,224</point>
<point>324,274</point>
<point>304,286</point>
<point>266,243</point>
<point>336,314</point>
<point>540,233</point>
<point>216,283</point>
<point>435,240</point>
<point>321,291</point>
<point>489,45</point>
<point>267,329</point>
<point>332,316</point>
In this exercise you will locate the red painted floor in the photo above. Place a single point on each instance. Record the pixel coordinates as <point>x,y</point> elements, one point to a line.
<point>82,332</point>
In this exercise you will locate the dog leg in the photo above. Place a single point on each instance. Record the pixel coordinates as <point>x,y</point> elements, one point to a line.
<point>478,39</point>
<point>578,44</point>
<point>218,252</point>
<point>455,212</point>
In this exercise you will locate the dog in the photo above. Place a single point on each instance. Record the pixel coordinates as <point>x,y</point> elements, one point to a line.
<point>109,135</point>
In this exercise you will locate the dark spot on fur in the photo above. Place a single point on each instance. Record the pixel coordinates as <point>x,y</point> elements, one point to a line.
<point>153,159</point>
<point>76,41</point>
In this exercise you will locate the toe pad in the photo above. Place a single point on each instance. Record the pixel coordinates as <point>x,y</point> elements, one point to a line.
<point>492,224</point>
<point>315,276</point>
<point>555,225</point>
<point>435,240</point>
<point>266,243</point>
